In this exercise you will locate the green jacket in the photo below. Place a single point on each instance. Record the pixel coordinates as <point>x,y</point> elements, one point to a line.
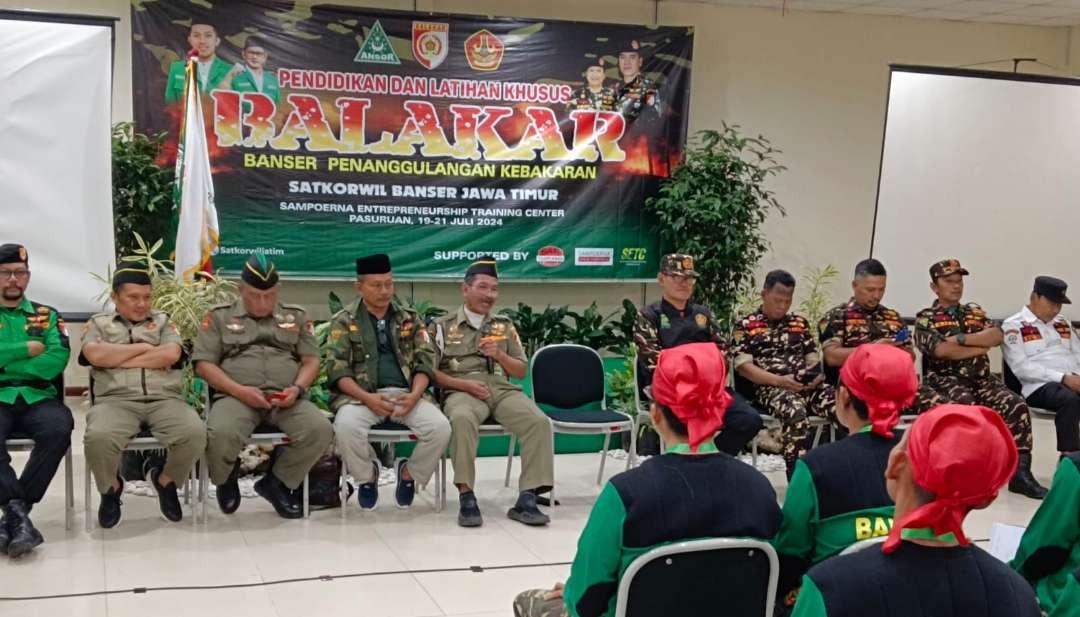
<point>21,375</point>
<point>174,86</point>
<point>1049,552</point>
<point>245,82</point>
<point>354,348</point>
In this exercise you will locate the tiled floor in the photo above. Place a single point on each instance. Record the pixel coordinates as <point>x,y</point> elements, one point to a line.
<point>391,563</point>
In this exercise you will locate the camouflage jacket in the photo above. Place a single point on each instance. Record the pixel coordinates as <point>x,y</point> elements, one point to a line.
<point>584,98</point>
<point>661,326</point>
<point>353,348</point>
<point>637,96</point>
<point>850,325</point>
<point>935,324</point>
<point>782,347</point>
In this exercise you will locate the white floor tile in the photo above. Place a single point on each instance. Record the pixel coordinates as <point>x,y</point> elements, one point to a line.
<point>246,602</point>
<point>397,595</point>
<point>487,591</point>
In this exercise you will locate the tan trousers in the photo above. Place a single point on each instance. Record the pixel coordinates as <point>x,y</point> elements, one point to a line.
<point>517,413</point>
<point>351,426</point>
<point>231,422</point>
<point>111,424</point>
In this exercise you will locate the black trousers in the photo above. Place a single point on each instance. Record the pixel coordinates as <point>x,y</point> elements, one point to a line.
<point>1066,407</point>
<point>49,424</point>
<point>741,423</point>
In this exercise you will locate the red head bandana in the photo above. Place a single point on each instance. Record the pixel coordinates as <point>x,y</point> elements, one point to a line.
<point>883,377</point>
<point>962,454</point>
<point>690,380</point>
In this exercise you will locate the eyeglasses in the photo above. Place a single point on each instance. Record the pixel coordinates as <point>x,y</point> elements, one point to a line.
<point>18,275</point>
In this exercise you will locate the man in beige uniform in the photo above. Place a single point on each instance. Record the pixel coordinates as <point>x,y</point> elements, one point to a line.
<point>261,357</point>
<point>134,354</point>
<point>478,353</point>
<point>381,362</point>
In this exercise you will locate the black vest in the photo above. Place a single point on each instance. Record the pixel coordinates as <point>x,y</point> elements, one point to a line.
<point>849,475</point>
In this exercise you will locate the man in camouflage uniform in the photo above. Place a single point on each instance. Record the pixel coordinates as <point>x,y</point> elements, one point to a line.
<point>260,357</point>
<point>863,319</point>
<point>636,93</point>
<point>381,362</point>
<point>674,321</point>
<point>135,355</point>
<point>594,94</point>
<point>775,350</point>
<point>479,351</point>
<point>956,339</point>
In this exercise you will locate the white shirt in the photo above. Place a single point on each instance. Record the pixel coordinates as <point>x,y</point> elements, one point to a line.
<point>1038,352</point>
<point>257,78</point>
<point>204,71</point>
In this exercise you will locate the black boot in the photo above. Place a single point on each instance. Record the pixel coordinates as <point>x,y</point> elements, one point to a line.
<point>5,535</point>
<point>284,501</point>
<point>228,494</point>
<point>24,538</point>
<point>1023,482</point>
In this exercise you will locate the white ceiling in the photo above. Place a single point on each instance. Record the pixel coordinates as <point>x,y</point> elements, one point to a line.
<point>1029,12</point>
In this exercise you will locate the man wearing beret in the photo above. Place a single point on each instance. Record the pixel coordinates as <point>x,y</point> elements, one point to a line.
<point>953,460</point>
<point>479,352</point>
<point>674,321</point>
<point>33,352</point>
<point>381,363</point>
<point>1043,351</point>
<point>956,338</point>
<point>135,354</point>
<point>260,357</point>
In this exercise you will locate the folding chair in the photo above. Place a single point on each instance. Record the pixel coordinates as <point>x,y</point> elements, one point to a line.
<point>20,442</point>
<point>734,577</point>
<point>264,434</point>
<point>570,378</point>
<point>393,433</point>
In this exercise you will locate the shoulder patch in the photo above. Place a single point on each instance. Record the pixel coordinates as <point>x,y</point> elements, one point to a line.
<point>294,307</point>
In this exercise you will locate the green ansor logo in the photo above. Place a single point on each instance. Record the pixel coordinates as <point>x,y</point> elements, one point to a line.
<point>377,48</point>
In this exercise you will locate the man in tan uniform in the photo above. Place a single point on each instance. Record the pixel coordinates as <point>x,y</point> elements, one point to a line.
<point>381,362</point>
<point>478,353</point>
<point>134,354</point>
<point>261,357</point>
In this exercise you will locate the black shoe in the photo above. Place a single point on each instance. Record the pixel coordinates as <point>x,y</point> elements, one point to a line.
<point>23,537</point>
<point>5,533</point>
<point>405,490</point>
<point>284,501</point>
<point>228,494</point>
<point>108,512</point>
<point>1023,482</point>
<point>168,502</point>
<point>468,511</point>
<point>525,511</point>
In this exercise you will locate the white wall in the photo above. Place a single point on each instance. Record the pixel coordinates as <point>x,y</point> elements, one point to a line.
<point>813,83</point>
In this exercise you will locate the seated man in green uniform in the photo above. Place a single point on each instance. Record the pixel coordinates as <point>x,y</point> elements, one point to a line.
<point>1049,552</point>
<point>212,72</point>
<point>837,495</point>
<point>33,352</point>
<point>134,354</point>
<point>692,491</point>
<point>479,352</point>
<point>954,459</point>
<point>381,362</point>
<point>955,339</point>
<point>252,76</point>
<point>260,357</point>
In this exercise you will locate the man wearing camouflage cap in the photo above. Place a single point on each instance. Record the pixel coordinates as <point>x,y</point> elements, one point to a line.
<point>675,321</point>
<point>260,357</point>
<point>955,339</point>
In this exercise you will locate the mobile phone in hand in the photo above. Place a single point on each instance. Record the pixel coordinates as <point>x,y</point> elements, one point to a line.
<point>902,335</point>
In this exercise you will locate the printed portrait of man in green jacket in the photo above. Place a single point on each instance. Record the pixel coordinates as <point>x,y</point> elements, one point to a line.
<point>213,72</point>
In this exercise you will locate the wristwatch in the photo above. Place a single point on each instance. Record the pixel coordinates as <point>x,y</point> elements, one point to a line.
<point>961,338</point>
<point>302,390</point>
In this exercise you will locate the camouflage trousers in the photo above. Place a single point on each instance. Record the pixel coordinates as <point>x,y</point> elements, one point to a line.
<point>793,410</point>
<point>925,398</point>
<point>988,392</point>
<point>534,603</point>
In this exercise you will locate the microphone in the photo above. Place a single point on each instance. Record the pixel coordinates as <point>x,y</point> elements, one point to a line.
<point>485,331</point>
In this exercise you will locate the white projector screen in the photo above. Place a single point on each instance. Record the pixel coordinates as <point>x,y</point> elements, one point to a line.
<point>982,167</point>
<point>55,155</point>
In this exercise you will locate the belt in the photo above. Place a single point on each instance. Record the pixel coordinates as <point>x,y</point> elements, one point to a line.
<point>37,384</point>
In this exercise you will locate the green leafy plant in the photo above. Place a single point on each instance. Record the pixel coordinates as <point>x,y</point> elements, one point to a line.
<point>590,328</point>
<point>713,207</point>
<point>817,298</point>
<point>537,329</point>
<point>622,330</point>
<point>142,190</point>
<point>621,384</point>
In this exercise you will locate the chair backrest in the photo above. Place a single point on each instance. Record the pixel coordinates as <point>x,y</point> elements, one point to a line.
<point>637,389</point>
<point>733,577</point>
<point>567,376</point>
<point>862,545</point>
<point>1011,381</point>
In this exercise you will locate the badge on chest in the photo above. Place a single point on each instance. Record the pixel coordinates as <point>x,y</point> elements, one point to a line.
<point>286,322</point>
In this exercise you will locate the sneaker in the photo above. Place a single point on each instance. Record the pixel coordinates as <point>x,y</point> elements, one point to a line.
<point>405,490</point>
<point>108,514</point>
<point>168,501</point>
<point>469,511</point>
<point>367,494</point>
<point>526,512</point>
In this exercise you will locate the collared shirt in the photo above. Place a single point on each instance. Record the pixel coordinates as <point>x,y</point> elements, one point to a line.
<point>783,346</point>
<point>458,343</point>
<point>662,326</point>
<point>133,383</point>
<point>389,371</point>
<point>21,375</point>
<point>1038,352</point>
<point>935,324</point>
